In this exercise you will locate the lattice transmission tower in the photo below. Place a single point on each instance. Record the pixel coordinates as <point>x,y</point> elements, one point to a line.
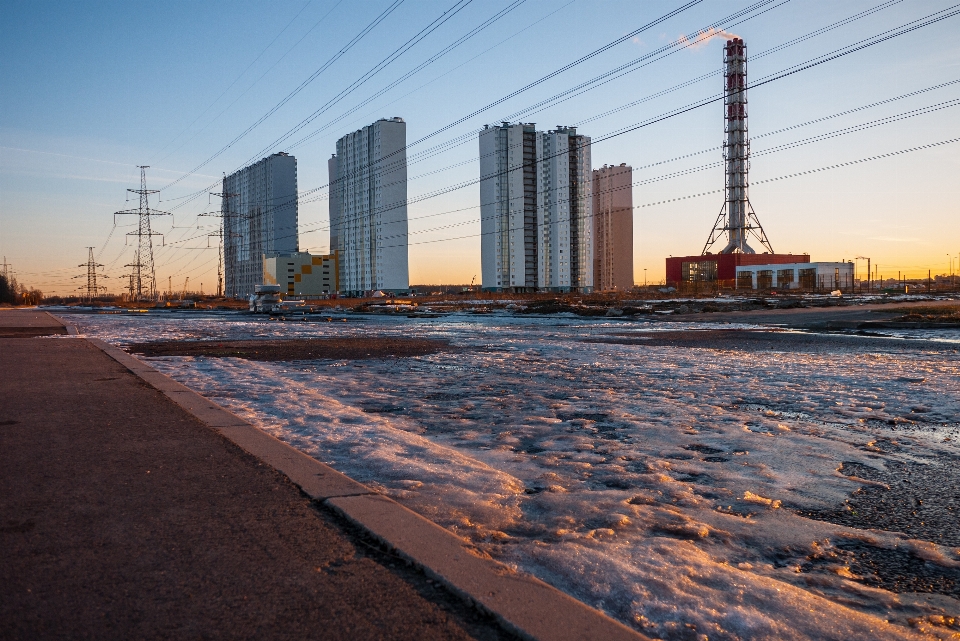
<point>92,289</point>
<point>143,275</point>
<point>224,215</point>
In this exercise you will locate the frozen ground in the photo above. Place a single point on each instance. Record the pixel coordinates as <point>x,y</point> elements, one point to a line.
<point>661,483</point>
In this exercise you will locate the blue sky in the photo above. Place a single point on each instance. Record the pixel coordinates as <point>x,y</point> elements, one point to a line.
<point>90,90</point>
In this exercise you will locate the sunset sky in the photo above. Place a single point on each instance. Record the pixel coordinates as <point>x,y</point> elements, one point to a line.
<point>88,91</point>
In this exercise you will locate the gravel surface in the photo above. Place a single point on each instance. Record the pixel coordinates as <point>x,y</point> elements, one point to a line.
<point>921,500</point>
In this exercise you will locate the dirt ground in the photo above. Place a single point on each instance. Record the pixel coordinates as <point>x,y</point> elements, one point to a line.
<point>335,348</point>
<point>772,340</point>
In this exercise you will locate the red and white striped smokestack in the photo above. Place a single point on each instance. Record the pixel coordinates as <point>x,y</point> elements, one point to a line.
<point>736,148</point>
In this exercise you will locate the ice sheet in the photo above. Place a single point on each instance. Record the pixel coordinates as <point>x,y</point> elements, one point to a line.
<point>656,483</point>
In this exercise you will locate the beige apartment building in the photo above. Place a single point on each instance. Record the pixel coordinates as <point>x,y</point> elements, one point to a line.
<point>613,228</point>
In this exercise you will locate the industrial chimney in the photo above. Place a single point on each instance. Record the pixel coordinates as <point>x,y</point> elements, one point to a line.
<point>737,217</point>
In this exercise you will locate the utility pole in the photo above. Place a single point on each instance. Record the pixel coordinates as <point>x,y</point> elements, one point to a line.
<point>129,277</point>
<point>868,272</point>
<point>224,215</point>
<point>6,269</point>
<point>220,234</point>
<point>144,275</point>
<point>92,289</point>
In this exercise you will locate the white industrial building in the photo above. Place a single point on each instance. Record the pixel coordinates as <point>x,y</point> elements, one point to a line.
<point>368,208</point>
<point>808,276</point>
<point>259,219</point>
<point>536,209</point>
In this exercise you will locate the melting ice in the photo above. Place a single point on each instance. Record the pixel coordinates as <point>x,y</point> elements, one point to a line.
<point>658,484</point>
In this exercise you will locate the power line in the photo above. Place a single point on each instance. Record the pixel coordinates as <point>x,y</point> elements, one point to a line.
<point>647,181</point>
<point>459,66</point>
<point>720,191</point>
<point>708,29</point>
<point>229,87</point>
<point>881,121</point>
<point>676,46</point>
<point>726,23</point>
<point>261,77</point>
<point>810,140</point>
<point>892,33</point>
<point>467,136</point>
<point>814,62</point>
<point>426,31</point>
<point>593,54</point>
<point>808,171</point>
<point>780,47</point>
<point>339,54</point>
<point>809,122</point>
<point>566,67</point>
<point>423,65</point>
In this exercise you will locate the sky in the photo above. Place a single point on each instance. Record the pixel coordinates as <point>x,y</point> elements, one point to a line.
<point>89,91</point>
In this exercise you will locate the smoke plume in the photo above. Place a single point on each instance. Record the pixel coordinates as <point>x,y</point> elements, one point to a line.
<point>703,37</point>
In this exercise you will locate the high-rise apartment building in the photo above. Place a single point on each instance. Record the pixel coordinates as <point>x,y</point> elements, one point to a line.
<point>565,211</point>
<point>368,208</point>
<point>613,228</point>
<point>509,235</point>
<point>259,220</point>
<point>536,210</point>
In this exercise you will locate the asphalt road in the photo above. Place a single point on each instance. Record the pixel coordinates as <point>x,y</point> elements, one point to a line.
<point>122,516</point>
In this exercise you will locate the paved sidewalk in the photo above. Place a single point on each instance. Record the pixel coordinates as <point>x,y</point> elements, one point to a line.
<point>25,323</point>
<point>122,516</point>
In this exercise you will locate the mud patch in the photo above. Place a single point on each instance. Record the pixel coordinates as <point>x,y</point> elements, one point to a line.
<point>338,348</point>
<point>769,340</point>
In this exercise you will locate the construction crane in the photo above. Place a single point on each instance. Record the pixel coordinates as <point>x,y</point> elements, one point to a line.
<point>183,296</point>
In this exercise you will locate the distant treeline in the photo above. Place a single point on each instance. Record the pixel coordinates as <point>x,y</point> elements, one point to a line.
<point>12,293</point>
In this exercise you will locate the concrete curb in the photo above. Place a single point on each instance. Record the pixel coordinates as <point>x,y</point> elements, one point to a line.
<point>522,604</point>
<point>71,329</point>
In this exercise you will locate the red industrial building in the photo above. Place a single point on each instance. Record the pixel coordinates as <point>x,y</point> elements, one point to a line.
<point>721,267</point>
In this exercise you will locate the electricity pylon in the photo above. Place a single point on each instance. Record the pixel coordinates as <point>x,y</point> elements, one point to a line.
<point>224,214</point>
<point>144,276</point>
<point>129,277</point>
<point>92,289</point>
<point>220,234</point>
